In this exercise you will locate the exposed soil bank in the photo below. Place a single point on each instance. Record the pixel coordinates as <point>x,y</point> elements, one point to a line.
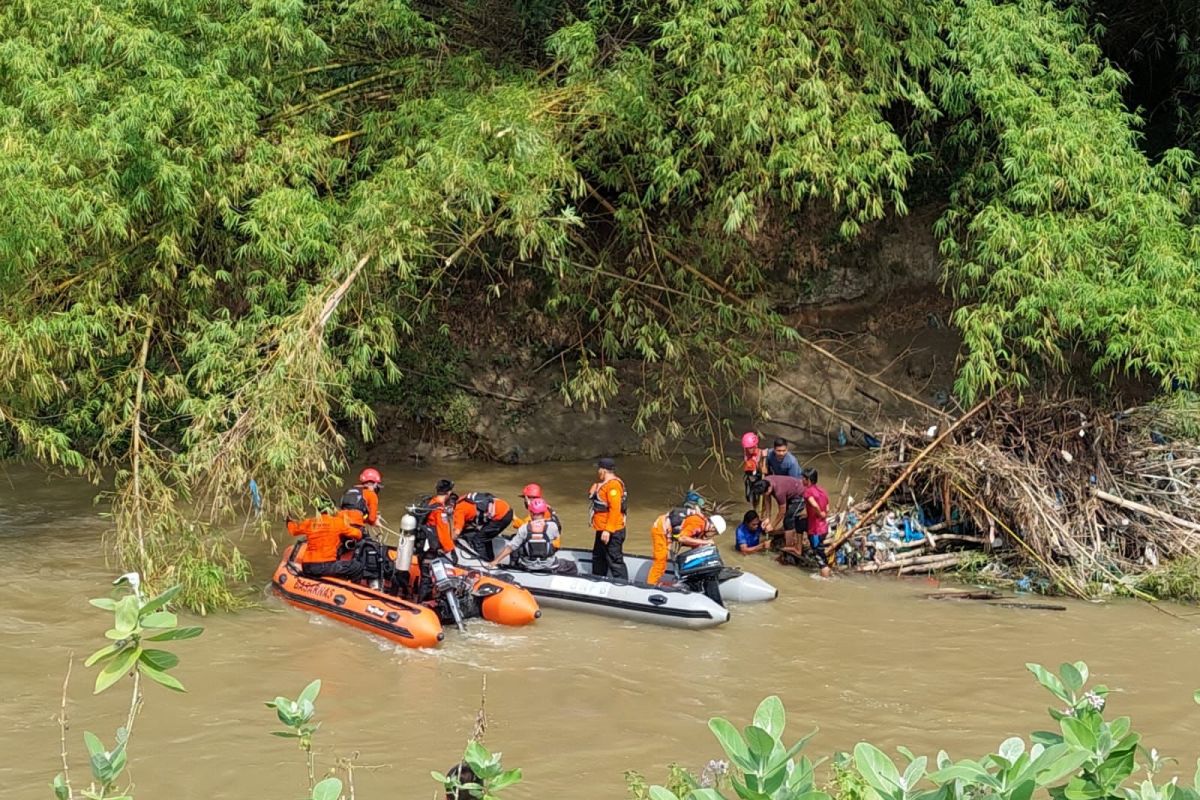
<point>876,303</point>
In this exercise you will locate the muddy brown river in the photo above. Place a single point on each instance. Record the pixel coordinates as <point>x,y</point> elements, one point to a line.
<point>575,700</point>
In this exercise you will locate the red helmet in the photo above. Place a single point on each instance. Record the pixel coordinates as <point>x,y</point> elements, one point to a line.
<point>370,475</point>
<point>749,440</point>
<point>538,506</point>
<point>531,490</point>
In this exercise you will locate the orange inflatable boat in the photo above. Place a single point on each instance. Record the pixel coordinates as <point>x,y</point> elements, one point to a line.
<point>371,610</point>
<point>406,607</point>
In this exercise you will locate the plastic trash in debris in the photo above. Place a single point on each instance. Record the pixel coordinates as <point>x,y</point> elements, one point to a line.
<point>871,442</point>
<point>1024,584</point>
<point>842,440</point>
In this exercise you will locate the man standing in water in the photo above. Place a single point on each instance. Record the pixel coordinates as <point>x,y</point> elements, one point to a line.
<point>609,502</point>
<point>782,462</point>
<point>816,506</point>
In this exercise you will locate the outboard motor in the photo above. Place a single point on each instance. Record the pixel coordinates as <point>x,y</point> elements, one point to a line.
<point>698,563</point>
<point>407,543</point>
<point>439,569</point>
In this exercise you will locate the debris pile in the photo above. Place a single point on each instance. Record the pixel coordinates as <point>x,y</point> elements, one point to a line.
<point>1086,498</point>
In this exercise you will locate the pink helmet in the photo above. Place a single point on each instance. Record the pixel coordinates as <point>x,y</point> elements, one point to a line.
<point>531,491</point>
<point>370,475</point>
<point>538,506</point>
<point>749,440</point>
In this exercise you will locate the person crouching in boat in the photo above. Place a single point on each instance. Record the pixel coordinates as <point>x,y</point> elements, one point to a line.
<point>686,521</point>
<point>441,514</point>
<point>479,517</point>
<point>535,543</point>
<point>360,503</point>
<point>713,526</point>
<point>323,534</point>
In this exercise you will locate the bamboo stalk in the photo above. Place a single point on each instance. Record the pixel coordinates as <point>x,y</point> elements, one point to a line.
<point>1144,509</point>
<point>936,559</point>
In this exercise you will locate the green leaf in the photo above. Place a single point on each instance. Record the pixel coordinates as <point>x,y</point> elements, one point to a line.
<point>159,659</point>
<point>328,789</point>
<point>154,604</point>
<point>102,653</point>
<point>731,742</point>
<point>60,787</point>
<point>310,692</point>
<point>877,768</point>
<point>1050,681</point>
<point>659,793</point>
<point>1012,748</point>
<point>93,744</point>
<point>120,665</point>
<point>1078,733</point>
<point>160,619</point>
<point>770,716</point>
<point>104,603</point>
<point>126,615</point>
<point>176,635</point>
<point>760,744</point>
<point>164,678</point>
<point>505,779</point>
<point>1071,677</point>
<point>1196,697</point>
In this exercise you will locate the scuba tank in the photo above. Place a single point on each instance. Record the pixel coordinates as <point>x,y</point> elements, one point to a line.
<point>444,582</point>
<point>407,543</point>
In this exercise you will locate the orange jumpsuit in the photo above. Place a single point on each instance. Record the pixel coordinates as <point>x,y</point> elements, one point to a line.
<point>662,537</point>
<point>324,533</point>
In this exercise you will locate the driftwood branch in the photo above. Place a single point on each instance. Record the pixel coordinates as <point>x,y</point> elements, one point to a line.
<point>1144,509</point>
<point>883,498</point>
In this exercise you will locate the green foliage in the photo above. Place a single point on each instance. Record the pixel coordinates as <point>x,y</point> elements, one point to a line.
<point>136,622</point>
<point>762,765</point>
<point>1060,233</point>
<point>297,715</point>
<point>680,781</point>
<point>846,783</point>
<point>227,228</point>
<point>1177,580</point>
<point>490,776</point>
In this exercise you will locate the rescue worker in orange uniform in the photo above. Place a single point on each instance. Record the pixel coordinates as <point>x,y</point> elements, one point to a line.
<point>609,504</point>
<point>360,503</point>
<point>531,492</point>
<point>323,534</point>
<point>676,526</point>
<point>479,517</point>
<point>441,515</point>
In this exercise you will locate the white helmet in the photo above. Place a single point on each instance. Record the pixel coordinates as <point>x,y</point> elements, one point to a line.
<point>718,522</point>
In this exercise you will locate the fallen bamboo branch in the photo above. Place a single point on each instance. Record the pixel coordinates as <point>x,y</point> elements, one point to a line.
<point>831,548</point>
<point>948,560</point>
<point>1144,509</point>
<point>937,560</point>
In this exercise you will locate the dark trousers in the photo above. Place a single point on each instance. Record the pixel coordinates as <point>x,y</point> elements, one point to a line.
<point>609,559</point>
<point>482,539</point>
<point>349,570</point>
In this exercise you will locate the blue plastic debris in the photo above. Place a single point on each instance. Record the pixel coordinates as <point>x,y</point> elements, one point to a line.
<point>255,496</point>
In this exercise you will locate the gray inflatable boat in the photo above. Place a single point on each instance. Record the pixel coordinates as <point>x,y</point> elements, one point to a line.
<point>635,600</point>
